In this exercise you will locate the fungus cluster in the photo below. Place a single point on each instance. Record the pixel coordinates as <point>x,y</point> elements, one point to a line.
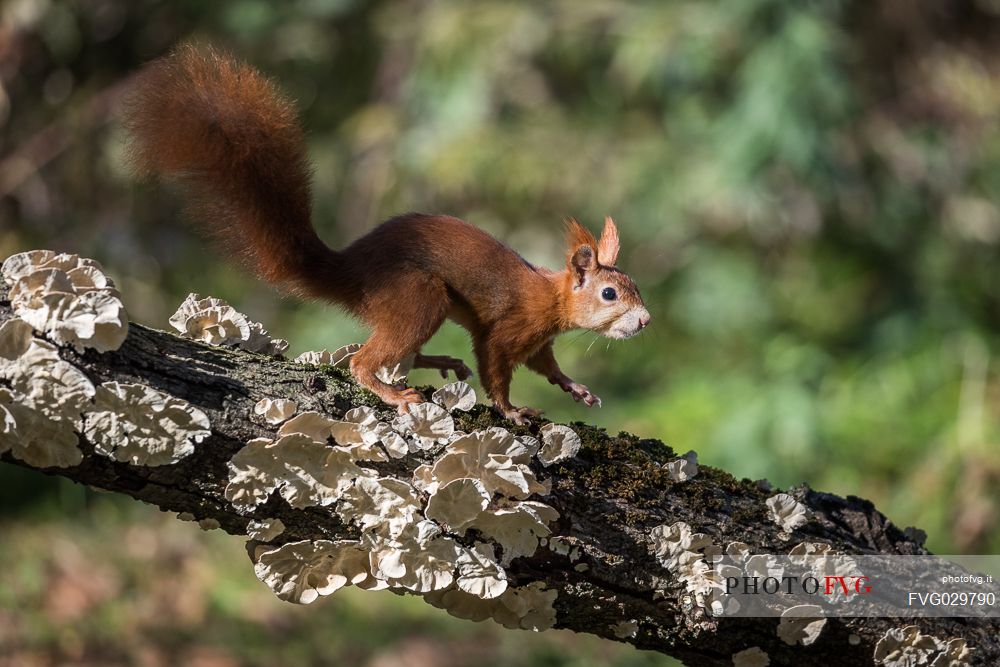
<point>433,535</point>
<point>67,298</point>
<point>48,401</point>
<point>683,553</point>
<point>338,358</point>
<point>907,646</point>
<point>686,555</point>
<point>528,607</point>
<point>213,321</point>
<point>137,424</point>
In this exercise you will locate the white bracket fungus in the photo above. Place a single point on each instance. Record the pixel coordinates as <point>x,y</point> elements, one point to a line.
<point>455,396</point>
<point>672,542</point>
<point>359,433</point>
<point>362,430</point>
<point>493,456</point>
<point>751,657</point>
<point>137,424</point>
<point>42,381</point>
<point>463,502</point>
<point>313,425</point>
<point>683,468</point>
<point>40,410</point>
<point>801,624</point>
<point>339,358</point>
<point>804,549</point>
<point>529,444</point>
<point>275,410</point>
<point>209,524</point>
<point>304,471</point>
<point>475,483</point>
<point>528,607</point>
<point>301,572</point>
<point>764,565</point>
<point>517,526</point>
<point>418,565</point>
<point>558,444</point>
<point>787,512</point>
<point>67,298</point>
<point>427,424</point>
<point>738,551</point>
<point>398,372</point>
<point>265,530</point>
<point>213,321</point>
<point>458,503</point>
<point>478,573</point>
<point>15,338</point>
<point>34,438</point>
<point>906,647</point>
<point>683,553</point>
<point>388,504</point>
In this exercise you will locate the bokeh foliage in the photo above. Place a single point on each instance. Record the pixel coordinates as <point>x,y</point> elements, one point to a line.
<point>807,194</point>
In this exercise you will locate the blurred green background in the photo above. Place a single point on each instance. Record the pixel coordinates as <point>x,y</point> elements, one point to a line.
<point>807,193</point>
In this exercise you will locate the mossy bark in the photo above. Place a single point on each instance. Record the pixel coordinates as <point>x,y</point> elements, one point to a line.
<point>609,497</point>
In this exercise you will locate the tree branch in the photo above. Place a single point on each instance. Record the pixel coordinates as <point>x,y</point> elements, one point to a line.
<point>609,497</point>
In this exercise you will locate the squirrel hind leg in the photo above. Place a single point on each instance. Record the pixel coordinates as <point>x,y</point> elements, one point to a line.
<point>401,326</point>
<point>381,351</point>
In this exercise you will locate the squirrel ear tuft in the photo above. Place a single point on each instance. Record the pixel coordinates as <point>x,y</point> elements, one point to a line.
<point>578,235</point>
<point>607,247</point>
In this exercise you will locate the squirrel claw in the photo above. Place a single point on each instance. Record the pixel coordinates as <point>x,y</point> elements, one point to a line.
<point>444,364</point>
<point>461,371</point>
<point>404,398</point>
<point>522,416</point>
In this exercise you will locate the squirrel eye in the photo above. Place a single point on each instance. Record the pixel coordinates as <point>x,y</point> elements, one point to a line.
<point>609,294</point>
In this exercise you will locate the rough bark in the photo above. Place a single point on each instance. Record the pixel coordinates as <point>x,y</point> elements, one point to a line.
<point>609,497</point>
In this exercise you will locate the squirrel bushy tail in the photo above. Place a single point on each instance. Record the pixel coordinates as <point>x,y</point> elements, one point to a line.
<point>232,140</point>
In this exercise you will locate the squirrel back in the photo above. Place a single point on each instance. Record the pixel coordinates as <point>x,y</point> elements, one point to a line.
<point>229,137</point>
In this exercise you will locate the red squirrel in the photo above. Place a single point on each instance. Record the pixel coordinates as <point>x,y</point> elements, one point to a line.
<point>232,140</point>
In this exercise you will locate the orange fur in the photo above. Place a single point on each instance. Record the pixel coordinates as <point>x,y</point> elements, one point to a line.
<point>226,134</point>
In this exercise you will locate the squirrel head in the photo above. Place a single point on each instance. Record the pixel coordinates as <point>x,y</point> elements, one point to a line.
<point>599,296</point>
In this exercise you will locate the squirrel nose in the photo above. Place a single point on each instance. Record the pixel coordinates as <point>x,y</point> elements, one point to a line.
<point>644,320</point>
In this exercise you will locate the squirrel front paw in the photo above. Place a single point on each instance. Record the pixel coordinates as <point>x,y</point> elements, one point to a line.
<point>444,364</point>
<point>580,392</point>
<point>461,371</point>
<point>521,416</point>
